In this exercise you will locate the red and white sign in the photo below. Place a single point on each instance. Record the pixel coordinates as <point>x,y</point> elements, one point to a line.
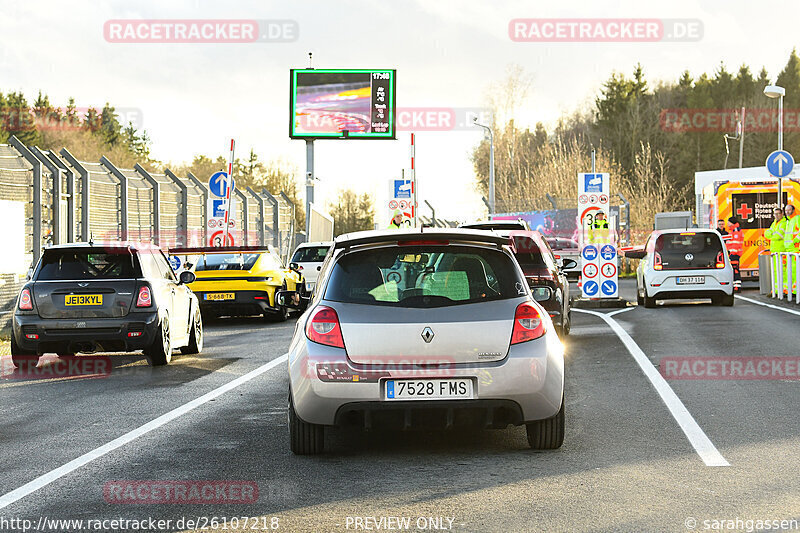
<point>217,238</point>
<point>219,222</point>
<point>609,270</point>
<point>590,270</point>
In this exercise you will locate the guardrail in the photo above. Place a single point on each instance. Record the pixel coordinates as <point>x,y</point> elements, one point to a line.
<point>779,273</point>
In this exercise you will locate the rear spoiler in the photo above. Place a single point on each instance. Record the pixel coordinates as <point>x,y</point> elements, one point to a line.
<point>218,250</point>
<point>431,236</point>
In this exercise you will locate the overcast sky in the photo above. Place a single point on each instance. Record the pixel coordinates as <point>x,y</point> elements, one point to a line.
<point>195,97</point>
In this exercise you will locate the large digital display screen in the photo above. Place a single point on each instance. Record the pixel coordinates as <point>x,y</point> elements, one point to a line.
<point>342,103</point>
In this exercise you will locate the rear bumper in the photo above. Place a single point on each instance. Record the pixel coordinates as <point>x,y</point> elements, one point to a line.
<point>527,385</point>
<point>716,284</point>
<point>85,334</point>
<point>244,303</point>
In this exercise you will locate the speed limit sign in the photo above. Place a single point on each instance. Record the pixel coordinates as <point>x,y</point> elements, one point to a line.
<point>217,237</point>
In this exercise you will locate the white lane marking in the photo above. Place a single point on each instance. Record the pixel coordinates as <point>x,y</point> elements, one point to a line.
<point>698,439</point>
<point>778,307</point>
<point>53,475</point>
<point>618,311</point>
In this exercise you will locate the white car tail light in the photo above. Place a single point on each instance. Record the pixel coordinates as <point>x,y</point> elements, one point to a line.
<point>528,324</point>
<point>323,327</point>
<point>144,299</point>
<point>25,300</point>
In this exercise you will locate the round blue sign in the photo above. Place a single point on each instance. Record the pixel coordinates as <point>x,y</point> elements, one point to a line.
<point>780,163</point>
<point>218,184</point>
<point>608,252</point>
<point>590,288</point>
<point>609,287</point>
<point>590,252</point>
<point>174,262</point>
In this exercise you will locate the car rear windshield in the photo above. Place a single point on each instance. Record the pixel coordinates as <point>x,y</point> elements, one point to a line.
<point>423,276</point>
<point>226,261</point>
<point>528,253</point>
<point>310,254</point>
<point>688,250</point>
<point>87,264</point>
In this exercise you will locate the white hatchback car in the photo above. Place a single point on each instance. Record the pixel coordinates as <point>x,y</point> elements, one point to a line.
<point>679,264</point>
<point>307,260</point>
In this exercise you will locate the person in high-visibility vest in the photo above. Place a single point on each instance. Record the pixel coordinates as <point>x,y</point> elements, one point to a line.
<point>598,230</point>
<point>791,236</point>
<point>775,234</point>
<point>735,244</point>
<point>397,220</point>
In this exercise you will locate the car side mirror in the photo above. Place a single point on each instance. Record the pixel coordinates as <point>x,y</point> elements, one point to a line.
<point>635,254</point>
<point>294,266</point>
<point>541,294</point>
<point>568,263</point>
<point>186,277</point>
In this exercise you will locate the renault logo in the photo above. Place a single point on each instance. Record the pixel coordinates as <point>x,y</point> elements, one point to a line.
<point>427,334</point>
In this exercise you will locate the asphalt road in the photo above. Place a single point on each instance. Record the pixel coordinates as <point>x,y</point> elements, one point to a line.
<point>626,464</point>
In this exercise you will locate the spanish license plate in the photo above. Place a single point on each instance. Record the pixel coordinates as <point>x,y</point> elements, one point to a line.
<point>219,296</point>
<point>83,299</point>
<point>691,280</point>
<point>428,389</point>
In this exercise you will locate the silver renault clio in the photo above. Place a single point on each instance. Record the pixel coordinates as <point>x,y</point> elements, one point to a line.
<point>424,329</point>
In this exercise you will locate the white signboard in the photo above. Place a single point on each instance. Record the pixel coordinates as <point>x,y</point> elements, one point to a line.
<point>402,197</point>
<point>598,278</point>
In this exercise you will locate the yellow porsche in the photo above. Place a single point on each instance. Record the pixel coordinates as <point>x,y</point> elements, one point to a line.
<point>239,281</point>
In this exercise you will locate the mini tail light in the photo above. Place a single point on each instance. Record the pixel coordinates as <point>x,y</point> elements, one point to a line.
<point>528,324</point>
<point>25,300</point>
<point>144,299</point>
<point>32,336</point>
<point>720,260</point>
<point>134,334</point>
<point>657,261</point>
<point>323,327</point>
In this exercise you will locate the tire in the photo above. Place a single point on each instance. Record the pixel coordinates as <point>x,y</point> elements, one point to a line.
<point>639,297</point>
<point>723,300</point>
<point>565,327</point>
<point>159,353</point>
<point>195,345</point>
<point>304,438</point>
<point>547,434</point>
<point>22,359</point>
<point>648,302</point>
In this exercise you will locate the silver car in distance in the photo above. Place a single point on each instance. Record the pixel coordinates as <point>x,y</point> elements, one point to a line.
<point>424,329</point>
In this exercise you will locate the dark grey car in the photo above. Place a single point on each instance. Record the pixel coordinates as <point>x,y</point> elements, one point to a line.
<point>85,297</point>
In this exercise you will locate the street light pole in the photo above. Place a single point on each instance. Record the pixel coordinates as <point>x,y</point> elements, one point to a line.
<point>491,167</point>
<point>775,91</point>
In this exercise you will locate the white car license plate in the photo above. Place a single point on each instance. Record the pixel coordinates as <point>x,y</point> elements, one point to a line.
<point>691,280</point>
<point>428,389</point>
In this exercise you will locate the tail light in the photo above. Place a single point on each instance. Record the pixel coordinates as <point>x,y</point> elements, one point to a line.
<point>657,262</point>
<point>528,324</point>
<point>323,327</point>
<point>144,299</point>
<point>720,260</point>
<point>25,300</point>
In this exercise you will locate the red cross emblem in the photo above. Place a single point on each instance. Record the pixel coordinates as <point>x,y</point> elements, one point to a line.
<point>744,211</point>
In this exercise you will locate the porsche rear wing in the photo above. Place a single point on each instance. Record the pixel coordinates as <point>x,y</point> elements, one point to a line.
<point>426,236</point>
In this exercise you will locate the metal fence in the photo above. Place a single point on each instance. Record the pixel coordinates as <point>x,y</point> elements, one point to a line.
<point>52,198</point>
<point>779,274</point>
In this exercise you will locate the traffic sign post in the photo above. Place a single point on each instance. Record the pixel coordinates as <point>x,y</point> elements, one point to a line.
<point>593,193</point>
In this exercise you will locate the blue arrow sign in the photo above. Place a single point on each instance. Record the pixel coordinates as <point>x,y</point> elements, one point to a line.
<point>218,184</point>
<point>174,262</point>
<point>608,252</point>
<point>780,163</point>
<point>590,288</point>
<point>609,287</point>
<point>589,252</point>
